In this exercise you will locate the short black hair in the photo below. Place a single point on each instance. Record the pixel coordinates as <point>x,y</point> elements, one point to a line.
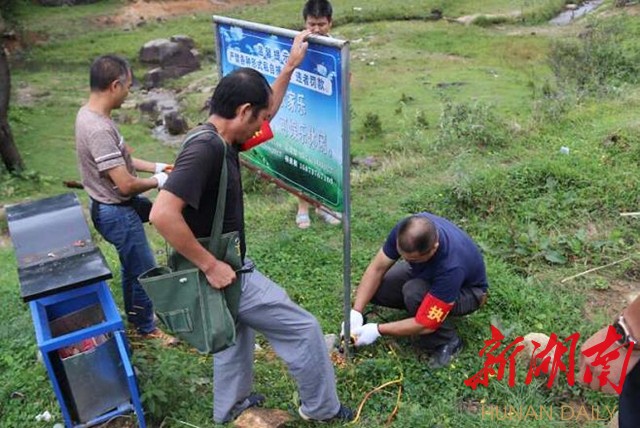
<point>241,86</point>
<point>317,9</point>
<point>416,234</point>
<point>106,69</point>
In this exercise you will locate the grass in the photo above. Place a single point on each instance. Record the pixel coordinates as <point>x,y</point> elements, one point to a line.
<point>423,93</point>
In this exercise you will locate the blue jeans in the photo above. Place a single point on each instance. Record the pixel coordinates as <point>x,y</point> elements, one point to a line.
<point>121,226</point>
<point>629,404</point>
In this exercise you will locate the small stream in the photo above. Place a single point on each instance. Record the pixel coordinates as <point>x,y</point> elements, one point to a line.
<point>160,133</point>
<point>161,102</point>
<point>567,16</point>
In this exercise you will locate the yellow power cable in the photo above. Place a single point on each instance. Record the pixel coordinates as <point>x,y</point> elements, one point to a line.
<point>378,388</point>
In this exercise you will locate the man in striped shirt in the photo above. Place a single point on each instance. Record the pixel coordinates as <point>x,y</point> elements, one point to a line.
<point>109,175</point>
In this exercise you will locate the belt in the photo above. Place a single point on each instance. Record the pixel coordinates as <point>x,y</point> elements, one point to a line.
<point>119,204</point>
<point>94,207</point>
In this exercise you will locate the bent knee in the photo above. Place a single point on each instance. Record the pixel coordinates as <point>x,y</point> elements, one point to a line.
<point>413,292</point>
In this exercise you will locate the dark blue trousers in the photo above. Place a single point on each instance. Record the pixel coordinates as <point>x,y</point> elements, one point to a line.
<point>629,404</point>
<point>401,291</point>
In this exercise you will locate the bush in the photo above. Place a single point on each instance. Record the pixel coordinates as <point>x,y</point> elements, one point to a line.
<point>8,11</point>
<point>550,103</point>
<point>471,124</point>
<point>372,126</point>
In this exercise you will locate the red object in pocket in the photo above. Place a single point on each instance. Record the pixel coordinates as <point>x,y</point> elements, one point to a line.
<point>264,134</point>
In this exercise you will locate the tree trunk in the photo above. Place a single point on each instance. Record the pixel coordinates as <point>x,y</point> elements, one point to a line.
<point>8,150</point>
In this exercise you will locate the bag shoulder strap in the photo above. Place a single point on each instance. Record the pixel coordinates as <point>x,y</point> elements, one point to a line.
<point>195,134</point>
<point>218,218</point>
<point>215,246</point>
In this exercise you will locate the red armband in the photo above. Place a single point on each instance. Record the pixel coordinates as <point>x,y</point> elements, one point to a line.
<point>432,312</point>
<point>264,134</point>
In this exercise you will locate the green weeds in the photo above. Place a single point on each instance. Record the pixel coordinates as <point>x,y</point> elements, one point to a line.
<point>23,184</point>
<point>371,125</point>
<point>539,11</point>
<point>599,61</point>
<point>475,124</point>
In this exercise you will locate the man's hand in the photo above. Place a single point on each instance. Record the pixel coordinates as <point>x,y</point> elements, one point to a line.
<point>615,368</point>
<point>296,55</point>
<point>366,335</point>
<point>161,178</point>
<point>298,49</point>
<point>355,321</point>
<point>220,275</point>
<point>163,167</point>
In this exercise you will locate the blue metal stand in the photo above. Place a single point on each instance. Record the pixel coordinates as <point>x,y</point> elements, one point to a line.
<point>49,308</point>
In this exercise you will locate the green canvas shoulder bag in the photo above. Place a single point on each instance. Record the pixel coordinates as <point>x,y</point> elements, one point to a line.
<point>198,314</point>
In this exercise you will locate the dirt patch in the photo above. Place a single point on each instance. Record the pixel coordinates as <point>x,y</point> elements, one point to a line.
<point>147,10</point>
<point>27,95</point>
<point>633,9</point>
<point>122,421</point>
<point>470,406</point>
<point>5,239</point>
<point>15,42</point>
<point>136,12</point>
<point>620,293</point>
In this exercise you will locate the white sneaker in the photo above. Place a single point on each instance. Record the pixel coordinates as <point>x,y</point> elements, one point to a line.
<point>344,414</point>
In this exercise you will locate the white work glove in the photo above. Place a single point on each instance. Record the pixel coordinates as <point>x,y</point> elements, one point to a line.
<point>160,167</point>
<point>355,321</point>
<point>366,335</point>
<point>161,178</point>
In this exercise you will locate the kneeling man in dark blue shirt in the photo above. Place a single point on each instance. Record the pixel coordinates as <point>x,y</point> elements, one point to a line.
<point>431,268</point>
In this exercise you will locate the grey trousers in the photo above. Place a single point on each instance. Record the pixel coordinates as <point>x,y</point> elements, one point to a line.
<point>295,336</point>
<point>399,290</point>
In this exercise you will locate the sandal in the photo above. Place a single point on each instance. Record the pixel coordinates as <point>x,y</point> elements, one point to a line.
<point>303,221</point>
<point>333,220</point>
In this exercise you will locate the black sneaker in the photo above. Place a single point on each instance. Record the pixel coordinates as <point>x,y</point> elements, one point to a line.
<point>253,400</point>
<point>443,354</point>
<point>344,414</point>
